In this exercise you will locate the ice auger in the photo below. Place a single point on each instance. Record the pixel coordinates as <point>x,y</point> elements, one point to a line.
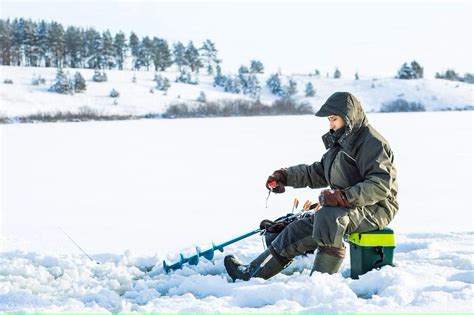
<point>209,253</point>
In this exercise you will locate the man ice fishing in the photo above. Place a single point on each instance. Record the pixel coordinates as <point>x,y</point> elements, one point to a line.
<point>358,167</point>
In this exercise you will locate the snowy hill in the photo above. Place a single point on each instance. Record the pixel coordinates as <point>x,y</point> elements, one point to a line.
<point>22,98</point>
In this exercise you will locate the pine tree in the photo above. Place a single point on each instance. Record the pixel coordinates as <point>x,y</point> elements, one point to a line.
<point>232,85</point>
<point>28,42</point>
<point>120,49</point>
<point>134,44</point>
<point>243,70</point>
<point>274,84</point>
<point>417,70</point>
<point>56,37</point>
<point>161,54</point>
<point>95,59</point>
<point>5,42</point>
<point>252,86</point>
<point>73,43</point>
<point>145,54</point>
<point>114,93</point>
<point>229,84</point>
<point>256,66</point>
<point>97,51</point>
<point>243,78</point>
<point>249,84</point>
<point>99,76</point>
<point>87,50</point>
<point>178,52</point>
<point>17,41</point>
<point>291,89</point>
<point>107,51</point>
<point>79,83</point>
<point>337,74</point>
<point>405,72</point>
<point>62,84</point>
<point>450,74</point>
<point>468,78</point>
<point>165,85</point>
<point>219,79</point>
<point>44,50</point>
<point>192,57</point>
<point>162,84</point>
<point>186,77</point>
<point>202,97</point>
<point>309,90</point>
<point>209,56</point>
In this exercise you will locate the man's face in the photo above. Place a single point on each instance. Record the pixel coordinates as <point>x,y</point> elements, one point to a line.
<point>335,122</point>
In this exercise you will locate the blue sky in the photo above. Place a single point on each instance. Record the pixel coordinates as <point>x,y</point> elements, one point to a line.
<point>371,37</point>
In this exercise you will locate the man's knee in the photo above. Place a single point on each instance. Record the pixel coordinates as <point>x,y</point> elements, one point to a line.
<point>296,239</point>
<point>330,224</point>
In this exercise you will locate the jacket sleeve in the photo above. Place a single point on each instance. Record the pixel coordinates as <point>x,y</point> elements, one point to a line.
<point>376,167</point>
<point>303,175</point>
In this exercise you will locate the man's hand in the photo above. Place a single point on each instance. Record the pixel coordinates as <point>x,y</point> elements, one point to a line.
<point>280,178</point>
<point>331,197</point>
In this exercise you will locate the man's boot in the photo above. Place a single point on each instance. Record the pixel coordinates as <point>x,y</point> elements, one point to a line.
<point>264,266</point>
<point>328,259</point>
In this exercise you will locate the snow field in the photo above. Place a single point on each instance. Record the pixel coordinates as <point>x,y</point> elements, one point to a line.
<point>134,193</point>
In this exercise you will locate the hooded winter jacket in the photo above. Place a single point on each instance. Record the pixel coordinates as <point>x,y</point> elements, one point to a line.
<point>358,161</point>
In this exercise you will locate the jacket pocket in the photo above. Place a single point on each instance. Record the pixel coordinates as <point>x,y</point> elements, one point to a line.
<point>344,171</point>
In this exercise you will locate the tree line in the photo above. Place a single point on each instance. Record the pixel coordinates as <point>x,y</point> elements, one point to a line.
<point>24,42</point>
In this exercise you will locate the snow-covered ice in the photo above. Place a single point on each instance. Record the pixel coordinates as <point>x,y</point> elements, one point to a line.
<point>436,277</point>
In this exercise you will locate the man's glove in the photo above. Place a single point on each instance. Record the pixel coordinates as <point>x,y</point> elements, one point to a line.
<point>331,197</point>
<point>280,177</point>
<point>273,227</point>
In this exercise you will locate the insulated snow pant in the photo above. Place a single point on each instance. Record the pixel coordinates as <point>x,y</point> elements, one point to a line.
<point>326,229</point>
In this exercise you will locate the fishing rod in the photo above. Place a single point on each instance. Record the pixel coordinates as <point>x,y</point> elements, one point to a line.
<point>77,245</point>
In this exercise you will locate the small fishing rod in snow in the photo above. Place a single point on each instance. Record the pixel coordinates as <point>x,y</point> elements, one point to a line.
<point>92,259</point>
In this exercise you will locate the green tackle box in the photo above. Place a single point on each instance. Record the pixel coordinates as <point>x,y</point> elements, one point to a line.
<point>370,250</point>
